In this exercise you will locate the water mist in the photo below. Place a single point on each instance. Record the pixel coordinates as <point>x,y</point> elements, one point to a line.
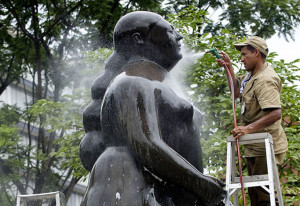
<point>177,76</point>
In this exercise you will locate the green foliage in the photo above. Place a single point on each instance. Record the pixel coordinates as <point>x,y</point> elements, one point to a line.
<point>9,114</point>
<point>246,17</point>
<point>94,62</point>
<point>289,170</point>
<point>11,150</point>
<point>290,98</point>
<point>9,138</point>
<point>64,118</point>
<point>265,18</point>
<point>9,117</point>
<point>19,158</point>
<point>13,51</point>
<point>100,17</point>
<point>214,99</point>
<point>211,93</point>
<point>6,200</point>
<point>145,5</point>
<point>189,23</point>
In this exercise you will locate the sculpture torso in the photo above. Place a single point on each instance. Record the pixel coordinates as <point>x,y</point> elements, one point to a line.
<point>132,103</point>
<point>177,126</point>
<point>174,114</point>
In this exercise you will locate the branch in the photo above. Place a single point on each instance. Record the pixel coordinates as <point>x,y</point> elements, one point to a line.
<point>112,9</point>
<point>12,10</point>
<point>126,7</point>
<point>61,17</point>
<point>67,177</point>
<point>69,189</point>
<point>3,87</point>
<point>266,24</point>
<point>35,21</point>
<point>29,151</point>
<point>6,80</point>
<point>19,186</point>
<point>6,194</point>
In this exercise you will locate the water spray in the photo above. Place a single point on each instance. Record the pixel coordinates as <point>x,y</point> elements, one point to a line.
<point>215,52</point>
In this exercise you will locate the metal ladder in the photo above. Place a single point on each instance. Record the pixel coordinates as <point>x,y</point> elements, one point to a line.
<point>271,179</point>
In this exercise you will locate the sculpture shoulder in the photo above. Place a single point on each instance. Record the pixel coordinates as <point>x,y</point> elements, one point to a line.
<point>129,84</point>
<point>142,75</point>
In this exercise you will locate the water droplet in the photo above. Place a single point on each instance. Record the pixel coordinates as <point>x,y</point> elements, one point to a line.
<point>118,196</point>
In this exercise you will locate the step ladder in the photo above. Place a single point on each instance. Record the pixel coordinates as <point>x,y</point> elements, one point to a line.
<point>233,185</point>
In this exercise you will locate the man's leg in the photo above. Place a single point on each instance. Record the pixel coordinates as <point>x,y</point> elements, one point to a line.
<point>257,166</point>
<point>250,161</point>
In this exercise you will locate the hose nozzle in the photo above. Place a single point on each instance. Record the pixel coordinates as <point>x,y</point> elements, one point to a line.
<point>214,51</point>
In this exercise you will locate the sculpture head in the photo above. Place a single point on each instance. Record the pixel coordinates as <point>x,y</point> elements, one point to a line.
<point>147,35</point>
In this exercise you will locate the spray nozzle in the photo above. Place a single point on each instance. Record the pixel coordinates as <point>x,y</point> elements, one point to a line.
<point>214,51</point>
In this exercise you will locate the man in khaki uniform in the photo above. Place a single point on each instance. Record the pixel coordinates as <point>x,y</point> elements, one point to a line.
<point>259,92</point>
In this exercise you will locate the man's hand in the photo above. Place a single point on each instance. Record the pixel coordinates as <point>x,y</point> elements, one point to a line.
<point>269,119</point>
<point>240,130</point>
<point>225,60</point>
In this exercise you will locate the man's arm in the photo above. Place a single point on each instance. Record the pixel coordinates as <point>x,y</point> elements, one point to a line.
<point>269,119</point>
<point>226,61</point>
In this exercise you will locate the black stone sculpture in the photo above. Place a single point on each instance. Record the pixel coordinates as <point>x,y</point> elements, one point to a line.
<point>141,145</point>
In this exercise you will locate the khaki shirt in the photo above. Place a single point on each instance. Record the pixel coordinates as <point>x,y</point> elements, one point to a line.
<point>263,92</point>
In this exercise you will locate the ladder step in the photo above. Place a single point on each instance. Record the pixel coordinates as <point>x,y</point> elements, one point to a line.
<point>254,178</point>
<point>248,184</point>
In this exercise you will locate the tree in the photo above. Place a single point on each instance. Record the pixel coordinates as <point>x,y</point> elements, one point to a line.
<point>248,17</point>
<point>62,121</point>
<point>10,142</point>
<point>290,97</point>
<point>14,52</point>
<point>64,118</point>
<point>18,160</point>
<point>37,36</point>
<point>44,25</point>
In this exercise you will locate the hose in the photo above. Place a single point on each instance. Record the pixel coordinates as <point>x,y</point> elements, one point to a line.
<point>215,52</point>
<point>236,140</point>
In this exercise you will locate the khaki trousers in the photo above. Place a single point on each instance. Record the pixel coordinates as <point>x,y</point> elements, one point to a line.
<point>258,166</point>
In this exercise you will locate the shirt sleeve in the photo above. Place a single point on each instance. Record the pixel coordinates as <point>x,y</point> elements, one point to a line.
<point>268,94</point>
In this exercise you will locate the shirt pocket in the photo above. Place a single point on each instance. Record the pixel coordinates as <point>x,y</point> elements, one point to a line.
<point>251,105</point>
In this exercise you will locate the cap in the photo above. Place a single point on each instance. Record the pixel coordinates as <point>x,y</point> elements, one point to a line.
<point>256,42</point>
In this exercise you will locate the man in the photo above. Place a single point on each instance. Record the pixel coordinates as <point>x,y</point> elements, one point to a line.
<point>259,92</point>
